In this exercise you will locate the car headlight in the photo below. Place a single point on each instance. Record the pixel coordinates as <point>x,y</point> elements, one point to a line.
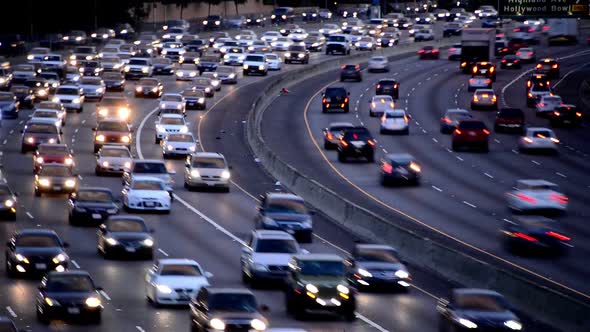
<point>42,92</point>
<point>300,55</point>
<point>111,241</point>
<point>169,147</point>
<point>103,112</point>
<point>246,66</point>
<point>92,302</point>
<point>201,100</point>
<point>287,55</point>
<point>124,113</point>
<point>9,203</point>
<point>52,140</point>
<point>195,173</point>
<point>364,273</point>
<point>207,89</point>
<point>217,324</point>
<point>51,302</point>
<point>513,325</point>
<point>164,289</point>
<point>225,175</point>
<point>231,76</point>
<point>21,258</point>
<point>467,323</point>
<point>192,148</point>
<point>261,67</point>
<point>69,161</point>
<point>145,70</point>
<point>76,101</point>
<point>155,89</point>
<point>184,129</point>
<point>39,160</point>
<point>311,288</point>
<point>148,242</point>
<point>44,182</point>
<point>100,138</point>
<point>258,325</point>
<point>127,69</point>
<point>127,165</point>
<point>402,274</point>
<point>342,289</point>
<point>70,183</point>
<point>59,258</point>
<point>125,139</point>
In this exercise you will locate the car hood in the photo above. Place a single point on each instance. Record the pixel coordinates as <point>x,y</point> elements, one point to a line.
<point>41,135</point>
<point>271,258</point>
<point>287,216</point>
<point>129,235</point>
<point>71,296</point>
<point>47,251</point>
<point>112,133</point>
<point>324,281</point>
<point>158,194</point>
<point>183,282</point>
<point>481,316</point>
<point>96,205</point>
<point>236,315</point>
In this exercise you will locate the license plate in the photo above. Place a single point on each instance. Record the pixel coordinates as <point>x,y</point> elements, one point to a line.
<point>74,311</point>
<point>56,188</point>
<point>509,65</point>
<point>130,249</point>
<point>40,266</point>
<point>566,121</point>
<point>472,134</point>
<point>96,216</point>
<point>146,92</point>
<point>150,204</point>
<point>483,71</point>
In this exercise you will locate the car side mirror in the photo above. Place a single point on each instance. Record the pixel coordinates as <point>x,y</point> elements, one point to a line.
<point>264,308</point>
<point>66,245</point>
<point>208,275</point>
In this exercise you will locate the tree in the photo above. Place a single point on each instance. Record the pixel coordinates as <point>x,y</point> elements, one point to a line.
<point>238,2</point>
<point>183,4</point>
<point>211,2</point>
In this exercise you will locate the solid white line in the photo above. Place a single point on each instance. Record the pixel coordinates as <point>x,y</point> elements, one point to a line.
<point>139,329</point>
<point>11,312</point>
<point>509,221</point>
<point>497,140</point>
<point>514,151</point>
<point>30,215</point>
<point>105,295</point>
<point>488,175</point>
<point>535,162</point>
<point>163,252</point>
<point>437,189</point>
<point>449,150</point>
<point>75,264</point>
<point>11,131</point>
<point>370,322</point>
<point>568,74</point>
<point>561,174</point>
<point>467,203</point>
<point>435,140</point>
<point>459,158</point>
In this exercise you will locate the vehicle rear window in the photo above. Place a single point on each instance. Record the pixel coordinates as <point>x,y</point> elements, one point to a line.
<point>335,92</point>
<point>511,113</point>
<point>542,134</point>
<point>472,125</point>
<point>357,135</point>
<point>150,168</point>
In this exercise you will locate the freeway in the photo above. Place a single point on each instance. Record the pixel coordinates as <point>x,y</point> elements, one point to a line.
<point>460,200</point>
<point>208,227</point>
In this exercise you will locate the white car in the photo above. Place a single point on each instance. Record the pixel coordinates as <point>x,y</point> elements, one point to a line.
<point>109,51</point>
<point>479,82</point>
<point>366,44</point>
<point>138,67</point>
<point>170,124</point>
<point>455,52</point>
<point>178,144</point>
<point>53,62</point>
<point>173,50</point>
<point>330,29</point>
<point>154,168</point>
<point>23,72</point>
<point>378,63</point>
<point>93,87</point>
<point>270,36</point>
<point>527,54</point>
<point>534,195</point>
<point>234,57</point>
<point>52,79</point>
<point>112,63</point>
<point>215,81</point>
<point>424,34</point>
<point>175,33</point>
<point>244,40</point>
<point>70,96</point>
<point>267,256</point>
<point>255,64</point>
<point>127,50</point>
<point>147,193</point>
<point>172,100</point>
<point>112,159</point>
<point>258,45</point>
<point>395,120</point>
<point>175,281</point>
<point>49,105</point>
<point>547,104</point>
<point>540,139</point>
<point>281,44</point>
<point>206,170</point>
<point>297,35</point>
<point>186,72</point>
<point>274,61</point>
<point>49,116</point>
<point>37,54</point>
<point>379,104</point>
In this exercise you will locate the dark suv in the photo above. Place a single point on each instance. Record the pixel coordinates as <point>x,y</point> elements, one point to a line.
<point>549,67</point>
<point>335,98</point>
<point>297,53</point>
<point>226,309</point>
<point>565,115</point>
<point>356,142</point>
<point>285,212</point>
<point>351,72</point>
<point>388,86</point>
<point>509,119</point>
<point>319,282</point>
<point>486,69</point>
<point>470,133</point>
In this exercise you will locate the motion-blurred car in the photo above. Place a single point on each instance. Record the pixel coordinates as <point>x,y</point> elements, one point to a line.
<point>9,206</point>
<point>470,133</point>
<point>24,96</point>
<point>510,62</point>
<point>162,66</point>
<point>532,195</point>
<point>285,212</point>
<point>378,63</point>
<point>547,104</point>
<point>147,193</point>
<point>52,154</point>
<point>112,159</point>
<point>566,115</point>
<point>394,121</point>
<point>178,144</point>
<point>35,252</point>
<point>170,124</point>
<point>91,206</point>
<point>273,61</point>
<point>9,106</point>
<point>428,52</point>
<point>538,139</point>
<point>112,131</point>
<point>375,266</point>
<point>455,52</point>
<point>186,72</point>
<point>296,53</point>
<point>485,68</point>
<point>55,179</point>
<point>175,281</point>
<point>451,118</point>
<point>484,99</point>
<point>114,81</point>
<point>125,236</point>
<point>171,100</point>
<point>479,82</point>
<point>194,99</point>
<point>526,54</point>
<point>549,67</point>
<point>92,87</point>
<point>379,104</point>
<point>351,72</point>
<point>335,98</point>
<point>333,134</point>
<point>509,120</point>
<point>356,142</point>
<point>534,235</point>
<point>536,92</point>
<point>149,87</point>
<point>207,170</point>
<point>38,132</point>
<point>117,107</point>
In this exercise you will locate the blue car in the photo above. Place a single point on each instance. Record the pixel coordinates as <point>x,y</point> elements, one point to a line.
<point>8,105</point>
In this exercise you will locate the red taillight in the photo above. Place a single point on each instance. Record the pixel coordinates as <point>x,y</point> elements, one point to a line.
<point>528,84</point>
<point>421,51</point>
<point>539,66</point>
<point>447,120</point>
<point>357,67</point>
<point>387,168</point>
<point>558,236</point>
<point>324,100</point>
<point>554,66</point>
<point>530,53</point>
<point>492,69</point>
<point>457,131</point>
<point>518,53</point>
<point>505,50</point>
<point>371,142</point>
<point>516,30</point>
<point>452,49</point>
<point>344,144</point>
<point>343,67</point>
<point>378,86</point>
<point>485,131</point>
<point>346,100</point>
<point>503,61</point>
<point>531,30</point>
<point>434,51</point>
<point>525,237</point>
<point>395,86</point>
<point>355,136</point>
<point>541,105</point>
<point>475,69</point>
<point>330,136</point>
<point>561,199</point>
<point>527,198</point>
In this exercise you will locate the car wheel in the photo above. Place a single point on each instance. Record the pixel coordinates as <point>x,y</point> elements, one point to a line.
<point>42,318</point>
<point>245,278</point>
<point>455,146</point>
<point>341,157</point>
<point>371,158</point>
<point>37,192</point>
<point>79,110</point>
<point>157,140</point>
<point>406,131</point>
<point>72,220</point>
<point>349,315</point>
<point>97,171</point>
<point>8,269</point>
<point>307,237</point>
<point>96,319</point>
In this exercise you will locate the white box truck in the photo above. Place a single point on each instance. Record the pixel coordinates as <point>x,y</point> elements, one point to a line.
<point>477,45</point>
<point>562,31</point>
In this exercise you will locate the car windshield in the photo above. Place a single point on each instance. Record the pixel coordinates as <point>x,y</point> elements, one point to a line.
<point>180,138</point>
<point>148,82</point>
<point>49,76</point>
<point>69,283</point>
<point>112,76</point>
<point>112,126</point>
<point>90,82</point>
<point>138,62</point>
<point>171,98</point>
<point>101,196</point>
<point>207,162</point>
<point>202,81</point>
<point>339,39</point>
<point>150,168</point>
<point>276,246</point>
<point>45,114</point>
<point>472,125</point>
<point>286,206</point>
<point>255,58</point>
<point>322,268</point>
<point>378,58</point>
<point>479,302</point>
<point>376,255</point>
<point>297,48</point>
<point>233,302</point>
<point>147,185</point>
<point>67,91</point>
<point>335,92</point>
<point>171,121</point>
<point>50,170</point>
<point>186,270</point>
<point>37,241</point>
<point>41,128</point>
<point>116,153</point>
<point>126,226</point>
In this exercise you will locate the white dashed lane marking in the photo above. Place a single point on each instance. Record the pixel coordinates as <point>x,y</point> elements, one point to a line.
<point>469,204</point>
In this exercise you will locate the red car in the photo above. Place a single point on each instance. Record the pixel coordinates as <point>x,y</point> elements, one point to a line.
<point>516,44</point>
<point>471,133</point>
<point>52,154</point>
<point>509,120</point>
<point>428,52</point>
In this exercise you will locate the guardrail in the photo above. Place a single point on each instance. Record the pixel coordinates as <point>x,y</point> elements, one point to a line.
<point>538,301</point>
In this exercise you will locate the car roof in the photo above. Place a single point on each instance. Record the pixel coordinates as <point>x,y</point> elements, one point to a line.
<point>399,157</point>
<point>126,217</point>
<point>172,115</point>
<point>139,161</point>
<point>457,110</point>
<point>340,124</point>
<point>538,128</point>
<point>220,290</point>
<point>319,257</point>
<point>535,182</point>
<point>395,112</point>
<point>533,221</point>
<point>272,234</point>
<point>374,246</point>
<point>95,189</point>
<point>274,195</point>
<point>146,178</point>
<point>484,91</point>
<point>69,86</point>
<point>207,155</point>
<point>37,231</point>
<point>475,291</point>
<point>167,261</point>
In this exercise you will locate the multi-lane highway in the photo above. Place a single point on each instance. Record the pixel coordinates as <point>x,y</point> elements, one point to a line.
<point>461,198</point>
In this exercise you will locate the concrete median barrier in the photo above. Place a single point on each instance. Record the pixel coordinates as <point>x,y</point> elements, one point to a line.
<point>539,302</point>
